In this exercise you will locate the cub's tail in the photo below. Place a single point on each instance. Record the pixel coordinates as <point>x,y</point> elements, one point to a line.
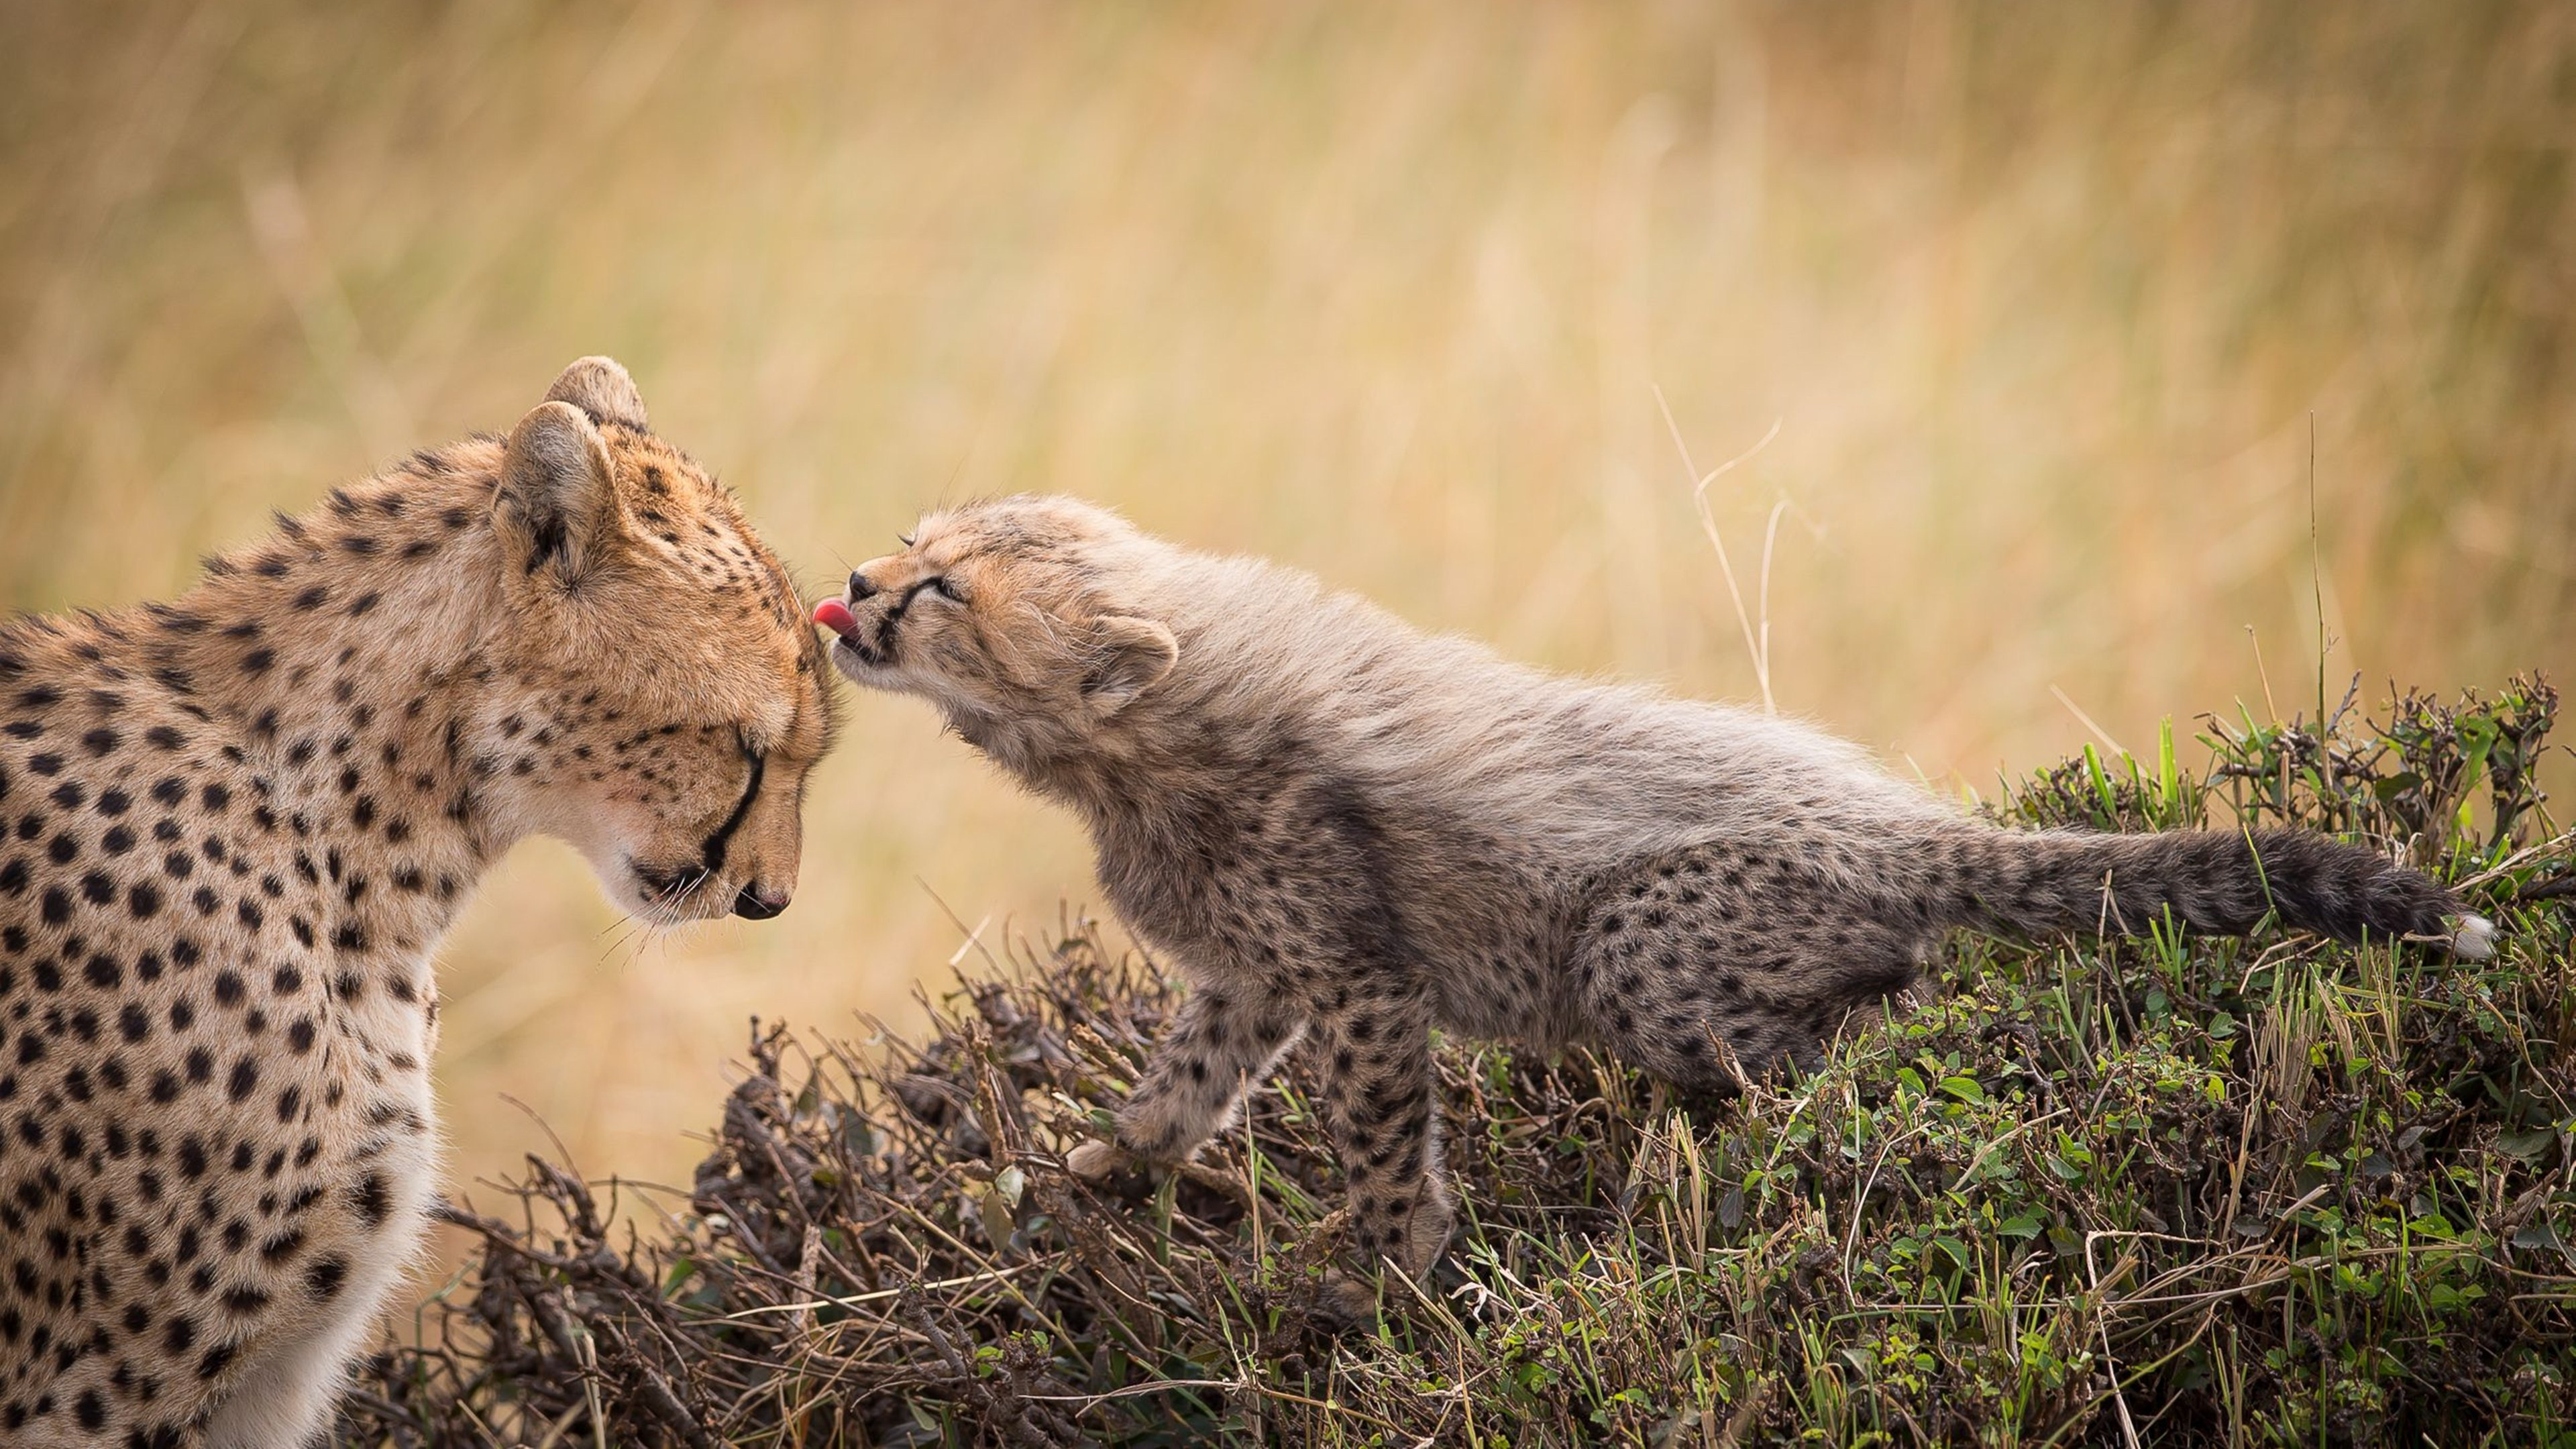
<point>2220,882</point>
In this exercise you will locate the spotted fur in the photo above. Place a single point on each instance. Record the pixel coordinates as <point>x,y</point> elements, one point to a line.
<point>232,830</point>
<point>1346,830</point>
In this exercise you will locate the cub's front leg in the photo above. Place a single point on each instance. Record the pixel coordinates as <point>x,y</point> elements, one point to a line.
<point>1194,1078</point>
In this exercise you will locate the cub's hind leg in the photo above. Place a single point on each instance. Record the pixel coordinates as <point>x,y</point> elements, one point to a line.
<point>1723,958</point>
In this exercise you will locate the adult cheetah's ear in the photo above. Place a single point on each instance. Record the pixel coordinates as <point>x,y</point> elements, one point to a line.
<point>557,504</point>
<point>1128,657</point>
<point>601,388</point>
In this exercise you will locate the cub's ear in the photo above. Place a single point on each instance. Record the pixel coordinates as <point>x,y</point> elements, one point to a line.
<point>1128,657</point>
<point>557,505</point>
<point>601,388</point>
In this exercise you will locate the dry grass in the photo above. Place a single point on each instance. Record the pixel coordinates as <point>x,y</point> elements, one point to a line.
<point>2049,305</point>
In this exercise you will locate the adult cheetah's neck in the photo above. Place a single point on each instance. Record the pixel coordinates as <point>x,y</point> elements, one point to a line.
<point>316,687</point>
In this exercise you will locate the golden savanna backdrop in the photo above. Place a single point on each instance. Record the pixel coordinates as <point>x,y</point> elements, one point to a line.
<point>2106,345</point>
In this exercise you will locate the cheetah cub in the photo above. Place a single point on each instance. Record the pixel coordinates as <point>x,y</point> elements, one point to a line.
<point>235,827</point>
<point>1346,830</point>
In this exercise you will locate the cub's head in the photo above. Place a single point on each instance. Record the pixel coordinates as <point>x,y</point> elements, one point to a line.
<point>1012,617</point>
<point>656,694</point>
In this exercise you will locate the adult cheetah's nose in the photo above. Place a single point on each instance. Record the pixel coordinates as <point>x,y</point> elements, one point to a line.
<point>755,904</point>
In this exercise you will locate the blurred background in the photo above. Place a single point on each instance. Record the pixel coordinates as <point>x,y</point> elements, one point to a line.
<point>2108,347</point>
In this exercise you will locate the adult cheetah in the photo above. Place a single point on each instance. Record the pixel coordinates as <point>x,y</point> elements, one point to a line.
<point>232,829</point>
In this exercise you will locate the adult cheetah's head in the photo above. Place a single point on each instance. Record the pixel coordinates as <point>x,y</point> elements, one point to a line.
<point>657,697</point>
<point>1012,616</point>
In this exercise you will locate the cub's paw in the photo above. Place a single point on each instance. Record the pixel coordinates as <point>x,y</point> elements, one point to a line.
<point>2475,940</point>
<point>1098,1161</point>
<point>1345,1300</point>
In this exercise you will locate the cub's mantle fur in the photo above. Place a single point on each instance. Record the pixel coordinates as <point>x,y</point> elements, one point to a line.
<point>1347,830</point>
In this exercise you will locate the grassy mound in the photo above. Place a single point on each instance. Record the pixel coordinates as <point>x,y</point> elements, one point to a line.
<point>2160,1189</point>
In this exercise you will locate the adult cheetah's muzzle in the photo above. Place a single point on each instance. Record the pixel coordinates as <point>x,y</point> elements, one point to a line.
<point>752,905</point>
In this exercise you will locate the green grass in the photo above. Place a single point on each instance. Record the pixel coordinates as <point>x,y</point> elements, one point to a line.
<point>2159,1189</point>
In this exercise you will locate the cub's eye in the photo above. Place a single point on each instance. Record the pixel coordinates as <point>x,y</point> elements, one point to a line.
<point>938,584</point>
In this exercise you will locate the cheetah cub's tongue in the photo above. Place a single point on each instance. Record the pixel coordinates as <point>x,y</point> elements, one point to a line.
<point>834,615</point>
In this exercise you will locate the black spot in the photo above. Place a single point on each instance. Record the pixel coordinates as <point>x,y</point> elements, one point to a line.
<point>144,899</point>
<point>323,1277</point>
<point>258,660</point>
<point>101,740</point>
<point>244,1080</point>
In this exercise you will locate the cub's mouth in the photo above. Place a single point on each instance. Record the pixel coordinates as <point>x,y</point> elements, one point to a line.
<point>848,642</point>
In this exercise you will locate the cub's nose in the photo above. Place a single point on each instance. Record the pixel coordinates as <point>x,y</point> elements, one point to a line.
<point>755,904</point>
<point>860,588</point>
